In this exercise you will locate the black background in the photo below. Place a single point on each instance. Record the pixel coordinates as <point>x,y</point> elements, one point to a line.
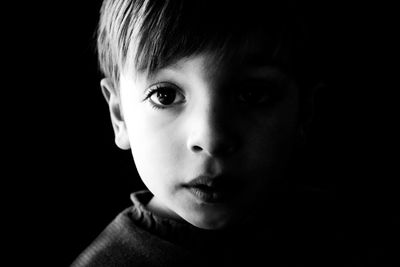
<point>65,180</point>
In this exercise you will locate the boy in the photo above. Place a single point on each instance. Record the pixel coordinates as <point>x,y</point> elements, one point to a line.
<point>213,100</point>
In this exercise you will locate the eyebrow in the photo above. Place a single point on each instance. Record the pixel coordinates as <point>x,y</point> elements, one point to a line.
<point>151,74</point>
<point>258,59</point>
<point>260,63</point>
<point>251,65</point>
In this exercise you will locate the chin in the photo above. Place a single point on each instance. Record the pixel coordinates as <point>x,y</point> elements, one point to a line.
<point>209,220</point>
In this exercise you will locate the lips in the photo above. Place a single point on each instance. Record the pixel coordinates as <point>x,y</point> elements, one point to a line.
<point>211,189</point>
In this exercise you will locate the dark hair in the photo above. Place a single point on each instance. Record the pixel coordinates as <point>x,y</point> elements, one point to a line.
<point>150,34</point>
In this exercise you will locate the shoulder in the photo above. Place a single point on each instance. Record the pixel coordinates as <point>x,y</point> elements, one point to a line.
<point>124,243</point>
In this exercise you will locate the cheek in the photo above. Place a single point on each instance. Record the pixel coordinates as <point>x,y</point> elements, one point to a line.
<point>273,136</point>
<point>285,121</point>
<point>268,153</point>
<point>156,150</point>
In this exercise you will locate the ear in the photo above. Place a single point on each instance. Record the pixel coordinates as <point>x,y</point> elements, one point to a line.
<point>113,99</point>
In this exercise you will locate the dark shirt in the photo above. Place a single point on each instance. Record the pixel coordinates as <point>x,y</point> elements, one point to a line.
<point>292,235</point>
<point>136,237</point>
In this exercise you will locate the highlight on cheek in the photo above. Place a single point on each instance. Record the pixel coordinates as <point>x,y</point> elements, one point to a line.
<point>164,95</point>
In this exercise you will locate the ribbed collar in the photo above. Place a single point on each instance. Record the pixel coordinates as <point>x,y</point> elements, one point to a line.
<point>178,232</point>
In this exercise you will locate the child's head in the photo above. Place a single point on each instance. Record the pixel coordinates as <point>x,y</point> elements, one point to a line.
<point>206,95</point>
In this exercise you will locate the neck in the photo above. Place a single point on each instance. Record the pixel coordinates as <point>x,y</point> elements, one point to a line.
<point>157,207</point>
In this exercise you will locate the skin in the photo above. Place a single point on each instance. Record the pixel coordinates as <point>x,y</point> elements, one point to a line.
<point>211,128</point>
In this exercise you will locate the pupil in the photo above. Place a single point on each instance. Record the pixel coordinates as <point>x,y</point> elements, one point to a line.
<point>251,96</point>
<point>166,96</point>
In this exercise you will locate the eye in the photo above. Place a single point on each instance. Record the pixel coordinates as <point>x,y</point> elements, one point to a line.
<point>253,95</point>
<point>162,96</point>
<point>258,92</point>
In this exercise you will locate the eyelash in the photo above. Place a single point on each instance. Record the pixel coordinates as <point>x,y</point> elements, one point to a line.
<point>158,87</point>
<point>152,90</point>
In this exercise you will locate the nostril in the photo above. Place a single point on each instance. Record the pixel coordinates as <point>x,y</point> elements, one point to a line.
<point>216,147</point>
<point>217,151</point>
<point>196,149</point>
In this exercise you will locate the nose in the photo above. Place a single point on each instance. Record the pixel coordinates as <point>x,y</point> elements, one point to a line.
<point>211,132</point>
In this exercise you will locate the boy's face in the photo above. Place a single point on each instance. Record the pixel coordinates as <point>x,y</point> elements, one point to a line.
<point>207,136</point>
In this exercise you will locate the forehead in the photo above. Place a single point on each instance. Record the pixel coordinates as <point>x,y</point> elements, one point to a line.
<point>254,52</point>
<point>208,67</point>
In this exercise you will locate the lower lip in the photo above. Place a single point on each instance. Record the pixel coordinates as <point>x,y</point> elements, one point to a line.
<point>207,195</point>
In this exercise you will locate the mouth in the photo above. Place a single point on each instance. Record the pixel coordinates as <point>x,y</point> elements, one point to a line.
<point>210,189</point>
